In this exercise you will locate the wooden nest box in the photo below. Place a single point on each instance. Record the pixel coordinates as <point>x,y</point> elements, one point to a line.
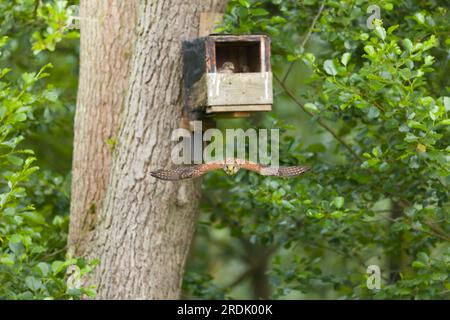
<point>228,75</point>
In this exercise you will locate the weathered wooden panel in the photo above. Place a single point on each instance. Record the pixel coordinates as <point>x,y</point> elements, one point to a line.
<point>239,89</point>
<point>197,95</point>
<point>208,22</point>
<point>239,108</point>
<point>194,57</point>
<point>238,38</point>
<point>232,115</point>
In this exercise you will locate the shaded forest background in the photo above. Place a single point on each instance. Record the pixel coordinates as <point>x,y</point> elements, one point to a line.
<point>368,109</point>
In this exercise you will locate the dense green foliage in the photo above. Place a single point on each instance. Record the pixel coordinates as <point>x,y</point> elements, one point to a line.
<point>368,109</point>
<point>34,204</point>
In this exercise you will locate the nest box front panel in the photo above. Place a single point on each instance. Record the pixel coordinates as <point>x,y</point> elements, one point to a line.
<point>239,89</point>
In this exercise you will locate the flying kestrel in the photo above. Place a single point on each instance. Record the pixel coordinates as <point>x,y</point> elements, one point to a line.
<point>231,167</point>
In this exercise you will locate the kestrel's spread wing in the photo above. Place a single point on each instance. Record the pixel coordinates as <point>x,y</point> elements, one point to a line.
<point>263,170</point>
<point>181,173</point>
<point>196,171</point>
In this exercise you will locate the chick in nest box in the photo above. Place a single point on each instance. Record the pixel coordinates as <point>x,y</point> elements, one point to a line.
<point>227,67</point>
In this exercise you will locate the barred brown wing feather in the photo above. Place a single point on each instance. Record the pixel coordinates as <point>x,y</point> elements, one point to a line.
<point>292,171</point>
<point>210,166</point>
<point>248,165</point>
<point>182,173</point>
<point>179,173</point>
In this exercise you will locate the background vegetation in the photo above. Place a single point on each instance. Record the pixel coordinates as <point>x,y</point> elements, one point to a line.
<point>368,109</point>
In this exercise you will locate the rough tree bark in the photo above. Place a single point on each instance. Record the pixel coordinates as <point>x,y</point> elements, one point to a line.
<point>107,41</point>
<point>139,228</point>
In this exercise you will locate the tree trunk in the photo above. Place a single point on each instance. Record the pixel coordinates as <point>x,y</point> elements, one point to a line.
<point>138,227</point>
<point>258,258</point>
<point>397,258</point>
<point>107,40</point>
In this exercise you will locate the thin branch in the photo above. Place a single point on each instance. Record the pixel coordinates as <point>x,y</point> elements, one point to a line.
<point>305,40</point>
<point>433,231</point>
<point>343,254</point>
<point>54,253</point>
<point>436,231</point>
<point>241,277</point>
<point>320,122</point>
<point>36,7</point>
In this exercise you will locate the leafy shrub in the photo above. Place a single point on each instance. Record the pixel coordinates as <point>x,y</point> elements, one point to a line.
<point>33,203</point>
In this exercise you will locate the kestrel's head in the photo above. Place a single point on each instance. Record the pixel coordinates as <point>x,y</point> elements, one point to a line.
<point>231,169</point>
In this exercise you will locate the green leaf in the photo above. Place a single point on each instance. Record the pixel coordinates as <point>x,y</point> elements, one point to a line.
<point>419,17</point>
<point>4,72</point>
<point>3,111</point>
<point>259,12</point>
<point>391,29</point>
<point>3,41</point>
<point>244,3</point>
<point>7,260</point>
<point>388,6</point>
<point>369,50</point>
<point>330,67</point>
<point>418,264</point>
<point>447,103</point>
<point>16,245</point>
<point>20,117</point>
<point>416,125</point>
<point>29,77</point>
<point>380,32</point>
<point>338,202</point>
<point>57,267</point>
<point>43,268</point>
<point>90,292</point>
<point>277,19</point>
<point>364,36</point>
<point>33,217</point>
<point>445,122</point>
<point>337,214</point>
<point>309,58</point>
<point>51,95</point>
<point>345,58</point>
<point>311,107</point>
<point>34,284</point>
<point>15,160</point>
<point>373,113</point>
<point>408,44</point>
<point>423,257</point>
<point>376,151</point>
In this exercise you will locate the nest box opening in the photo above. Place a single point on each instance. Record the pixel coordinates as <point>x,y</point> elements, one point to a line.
<point>245,56</point>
